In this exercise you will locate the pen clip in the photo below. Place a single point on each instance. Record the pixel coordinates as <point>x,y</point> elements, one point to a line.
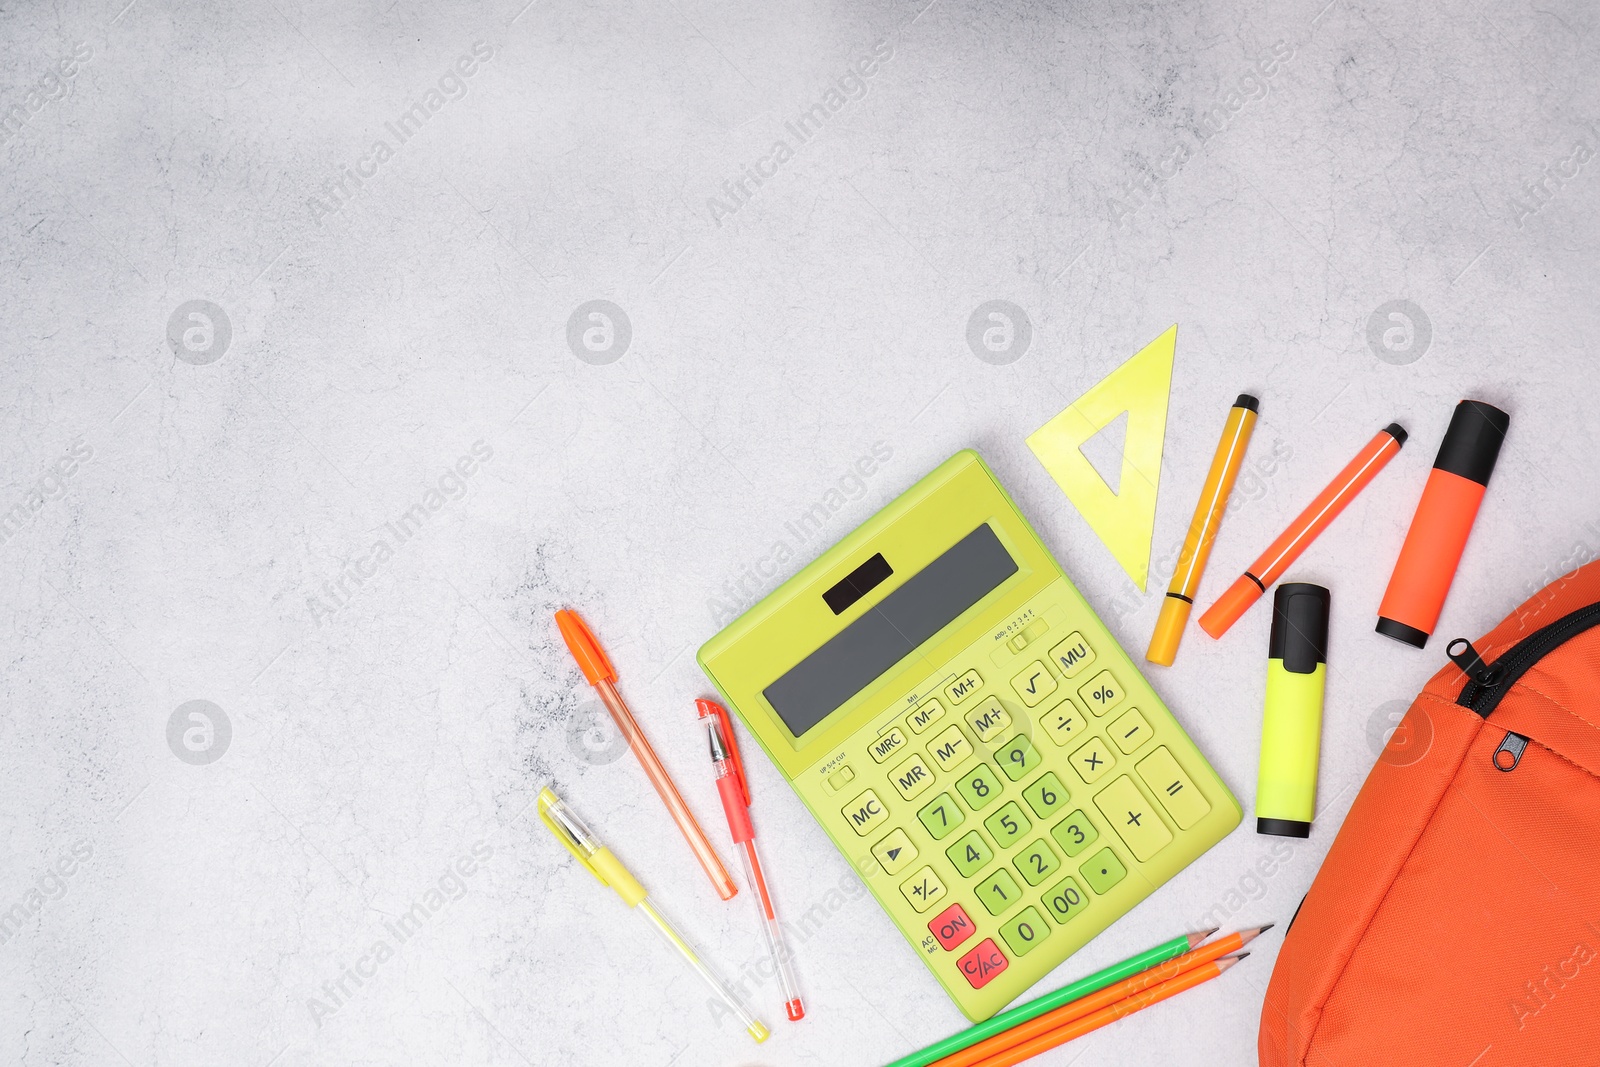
<point>550,809</point>
<point>711,709</point>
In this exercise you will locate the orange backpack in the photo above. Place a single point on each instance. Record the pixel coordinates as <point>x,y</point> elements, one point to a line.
<point>1456,919</point>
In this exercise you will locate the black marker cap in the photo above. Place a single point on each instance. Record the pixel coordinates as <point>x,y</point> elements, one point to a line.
<point>1396,431</point>
<point>1299,626</point>
<point>1472,443</point>
<point>1248,402</point>
<point>1284,828</point>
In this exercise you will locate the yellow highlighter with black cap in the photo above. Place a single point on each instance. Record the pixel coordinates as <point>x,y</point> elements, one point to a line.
<point>598,860</point>
<point>1291,729</point>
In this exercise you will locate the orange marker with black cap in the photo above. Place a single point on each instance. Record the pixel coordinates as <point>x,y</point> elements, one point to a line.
<point>1442,523</point>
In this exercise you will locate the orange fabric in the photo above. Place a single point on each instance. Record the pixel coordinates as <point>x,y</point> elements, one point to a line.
<point>1456,919</point>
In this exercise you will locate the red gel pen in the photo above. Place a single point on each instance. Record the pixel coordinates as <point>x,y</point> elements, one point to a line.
<point>735,792</point>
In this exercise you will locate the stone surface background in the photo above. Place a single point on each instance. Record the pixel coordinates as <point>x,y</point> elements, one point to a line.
<point>243,342</point>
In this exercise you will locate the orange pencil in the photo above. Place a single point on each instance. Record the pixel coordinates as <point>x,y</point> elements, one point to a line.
<point>1281,554</point>
<point>1106,1016</point>
<point>1103,998</point>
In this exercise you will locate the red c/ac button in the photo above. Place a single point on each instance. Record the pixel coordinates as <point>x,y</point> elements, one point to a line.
<point>982,964</point>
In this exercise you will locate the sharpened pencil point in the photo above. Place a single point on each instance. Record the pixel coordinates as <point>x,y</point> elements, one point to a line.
<point>1247,936</point>
<point>1197,938</point>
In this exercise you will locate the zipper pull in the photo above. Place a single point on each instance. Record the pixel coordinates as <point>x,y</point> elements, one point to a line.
<point>1463,655</point>
<point>1509,754</point>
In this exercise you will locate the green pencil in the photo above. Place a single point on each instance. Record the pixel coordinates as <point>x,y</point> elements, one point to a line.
<point>1067,993</point>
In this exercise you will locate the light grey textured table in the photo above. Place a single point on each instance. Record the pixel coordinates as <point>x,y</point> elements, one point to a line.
<point>308,418</point>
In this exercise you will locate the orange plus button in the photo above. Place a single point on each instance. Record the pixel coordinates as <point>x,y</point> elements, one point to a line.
<point>952,926</point>
<point>983,964</point>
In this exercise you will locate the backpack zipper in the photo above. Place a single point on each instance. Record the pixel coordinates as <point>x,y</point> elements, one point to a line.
<point>1487,684</point>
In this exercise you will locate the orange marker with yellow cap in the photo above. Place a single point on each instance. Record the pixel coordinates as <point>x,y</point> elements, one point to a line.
<point>1203,529</point>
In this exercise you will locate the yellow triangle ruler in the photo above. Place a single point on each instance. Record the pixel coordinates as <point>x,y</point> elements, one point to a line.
<point>1124,520</point>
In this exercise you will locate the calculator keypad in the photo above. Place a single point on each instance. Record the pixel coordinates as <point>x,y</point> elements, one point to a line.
<point>988,719</point>
<point>951,748</point>
<point>1007,825</point>
<point>1037,862</point>
<point>1103,871</point>
<point>970,854</point>
<point>999,891</point>
<point>887,745</point>
<point>927,713</point>
<point>963,687</point>
<point>952,926</point>
<point>1034,683</point>
<point>1092,761</point>
<point>912,778</point>
<point>1045,795</point>
<point>923,889</point>
<point>1023,847</point>
<point>1173,788</point>
<point>895,852</point>
<point>980,788</point>
<point>1074,833</point>
<point>1101,693</point>
<point>1017,757</point>
<point>941,817</point>
<point>1072,655</point>
<point>865,813</point>
<point>1065,899</point>
<point>1130,731</point>
<point>1134,818</point>
<point>1065,724</point>
<point>1025,933</point>
<point>983,964</point>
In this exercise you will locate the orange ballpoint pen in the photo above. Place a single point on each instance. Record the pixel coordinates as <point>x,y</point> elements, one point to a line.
<point>735,792</point>
<point>602,675</point>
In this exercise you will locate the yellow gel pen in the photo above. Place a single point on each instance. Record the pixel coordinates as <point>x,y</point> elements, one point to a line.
<point>598,860</point>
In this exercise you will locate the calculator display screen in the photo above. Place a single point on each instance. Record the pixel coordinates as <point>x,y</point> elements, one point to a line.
<point>923,605</point>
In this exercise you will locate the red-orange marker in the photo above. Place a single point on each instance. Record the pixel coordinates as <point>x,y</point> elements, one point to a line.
<point>1282,553</point>
<point>1439,529</point>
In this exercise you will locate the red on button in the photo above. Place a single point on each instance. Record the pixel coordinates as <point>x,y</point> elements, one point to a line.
<point>983,963</point>
<point>952,926</point>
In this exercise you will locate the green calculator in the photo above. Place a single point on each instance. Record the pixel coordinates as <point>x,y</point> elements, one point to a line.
<point>970,736</point>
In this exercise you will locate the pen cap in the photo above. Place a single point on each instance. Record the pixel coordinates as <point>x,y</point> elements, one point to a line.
<point>1299,626</point>
<point>570,830</point>
<point>584,648</point>
<point>1472,443</point>
<point>710,709</point>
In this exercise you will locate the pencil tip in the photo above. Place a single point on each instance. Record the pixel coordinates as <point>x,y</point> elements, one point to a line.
<point>1199,936</point>
<point>1240,956</point>
<point>1247,936</point>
